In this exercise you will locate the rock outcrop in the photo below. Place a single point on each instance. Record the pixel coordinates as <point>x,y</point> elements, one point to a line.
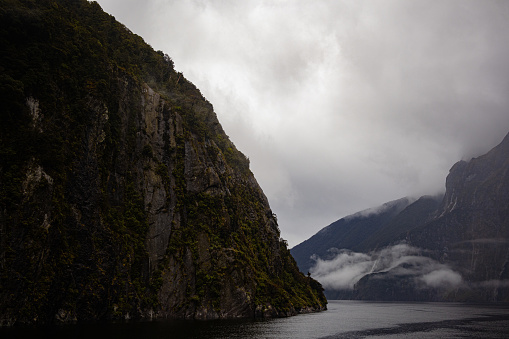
<point>121,195</point>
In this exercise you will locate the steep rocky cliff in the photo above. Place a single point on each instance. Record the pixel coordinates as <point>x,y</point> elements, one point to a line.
<point>121,195</point>
<point>470,229</point>
<point>450,248</point>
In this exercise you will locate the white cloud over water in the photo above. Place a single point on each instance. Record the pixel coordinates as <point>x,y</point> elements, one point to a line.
<point>346,268</point>
<point>343,271</point>
<point>441,277</point>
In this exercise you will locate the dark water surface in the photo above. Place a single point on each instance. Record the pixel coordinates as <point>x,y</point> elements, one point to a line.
<point>344,319</point>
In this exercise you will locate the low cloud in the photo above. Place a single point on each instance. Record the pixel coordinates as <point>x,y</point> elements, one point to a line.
<point>343,271</point>
<point>346,268</point>
<point>400,203</point>
<point>442,277</point>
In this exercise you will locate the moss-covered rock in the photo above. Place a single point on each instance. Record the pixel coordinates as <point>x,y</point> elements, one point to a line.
<point>121,195</point>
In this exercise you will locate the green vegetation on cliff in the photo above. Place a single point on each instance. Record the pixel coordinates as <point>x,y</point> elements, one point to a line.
<point>120,194</point>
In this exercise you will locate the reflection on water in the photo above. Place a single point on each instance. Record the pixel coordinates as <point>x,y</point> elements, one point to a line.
<point>344,319</point>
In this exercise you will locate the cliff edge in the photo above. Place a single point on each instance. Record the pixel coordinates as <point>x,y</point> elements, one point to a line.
<point>121,195</point>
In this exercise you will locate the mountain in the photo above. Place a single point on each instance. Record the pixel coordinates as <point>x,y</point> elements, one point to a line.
<point>121,197</point>
<point>350,232</point>
<point>452,248</point>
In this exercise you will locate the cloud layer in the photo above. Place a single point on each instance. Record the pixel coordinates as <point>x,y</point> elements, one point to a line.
<point>341,105</point>
<point>346,268</point>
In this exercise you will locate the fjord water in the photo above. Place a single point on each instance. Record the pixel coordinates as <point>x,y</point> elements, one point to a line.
<point>344,319</point>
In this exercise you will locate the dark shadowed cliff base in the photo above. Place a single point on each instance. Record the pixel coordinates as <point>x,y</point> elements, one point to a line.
<point>121,195</point>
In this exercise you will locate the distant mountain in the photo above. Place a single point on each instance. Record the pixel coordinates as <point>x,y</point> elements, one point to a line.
<point>454,247</point>
<point>349,232</point>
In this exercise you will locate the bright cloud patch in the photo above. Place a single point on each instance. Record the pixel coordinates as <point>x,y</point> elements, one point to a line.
<point>346,268</point>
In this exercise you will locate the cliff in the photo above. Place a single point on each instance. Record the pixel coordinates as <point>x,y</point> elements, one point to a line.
<point>121,195</point>
<point>470,229</point>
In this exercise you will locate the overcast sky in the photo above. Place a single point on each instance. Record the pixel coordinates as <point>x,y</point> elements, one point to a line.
<point>340,105</point>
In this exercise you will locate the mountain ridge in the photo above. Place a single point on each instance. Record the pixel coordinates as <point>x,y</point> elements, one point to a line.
<point>459,239</point>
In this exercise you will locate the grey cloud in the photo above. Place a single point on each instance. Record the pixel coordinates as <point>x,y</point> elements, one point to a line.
<point>341,105</point>
<point>380,209</point>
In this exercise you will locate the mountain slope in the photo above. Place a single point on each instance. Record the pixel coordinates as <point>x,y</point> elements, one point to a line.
<point>350,232</point>
<point>455,248</point>
<point>121,195</point>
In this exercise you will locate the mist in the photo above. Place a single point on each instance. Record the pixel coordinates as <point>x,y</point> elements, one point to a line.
<point>346,268</point>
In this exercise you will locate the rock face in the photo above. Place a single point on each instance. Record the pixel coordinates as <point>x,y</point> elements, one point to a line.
<point>121,195</point>
<point>456,247</point>
<point>470,229</point>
